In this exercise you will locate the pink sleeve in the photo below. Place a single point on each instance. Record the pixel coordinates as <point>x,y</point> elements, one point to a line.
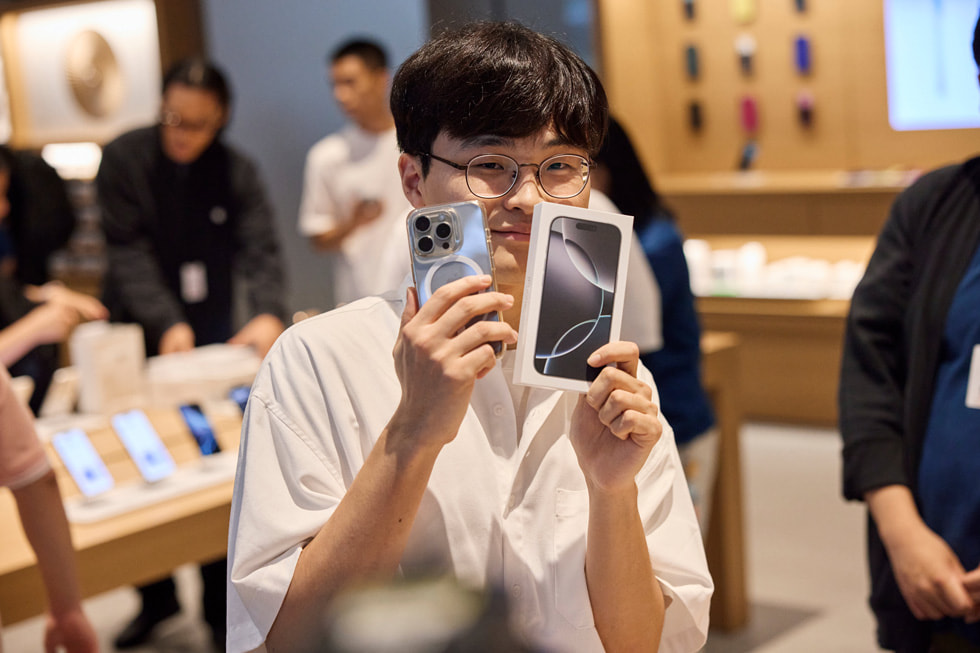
<point>22,457</point>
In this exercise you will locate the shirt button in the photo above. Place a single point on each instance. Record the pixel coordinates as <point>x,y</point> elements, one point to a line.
<point>498,409</point>
<point>516,591</point>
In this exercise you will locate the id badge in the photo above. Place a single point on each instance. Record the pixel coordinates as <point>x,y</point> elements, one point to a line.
<point>973,381</point>
<point>193,282</point>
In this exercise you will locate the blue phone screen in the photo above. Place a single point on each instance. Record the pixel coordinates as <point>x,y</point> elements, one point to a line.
<point>83,462</point>
<point>239,395</point>
<point>200,429</point>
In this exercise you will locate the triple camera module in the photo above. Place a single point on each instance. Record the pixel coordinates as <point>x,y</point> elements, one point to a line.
<point>434,233</point>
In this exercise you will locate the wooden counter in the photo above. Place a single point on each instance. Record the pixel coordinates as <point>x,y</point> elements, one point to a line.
<point>790,354</point>
<point>129,549</point>
<point>725,544</point>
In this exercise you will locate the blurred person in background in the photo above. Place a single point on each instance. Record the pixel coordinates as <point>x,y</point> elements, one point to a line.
<point>910,413</point>
<point>36,220</point>
<point>352,205</point>
<point>24,468</point>
<point>676,366</point>
<point>184,215</point>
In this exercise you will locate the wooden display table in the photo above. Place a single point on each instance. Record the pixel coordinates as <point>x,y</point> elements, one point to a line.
<point>132,548</point>
<point>146,544</point>
<point>725,546</point>
<point>790,354</point>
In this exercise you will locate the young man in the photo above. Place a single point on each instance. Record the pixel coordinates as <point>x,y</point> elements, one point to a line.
<point>385,438</point>
<point>352,205</point>
<point>183,214</point>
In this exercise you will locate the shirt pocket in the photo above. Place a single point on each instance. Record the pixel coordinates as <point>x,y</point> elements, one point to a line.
<point>571,525</point>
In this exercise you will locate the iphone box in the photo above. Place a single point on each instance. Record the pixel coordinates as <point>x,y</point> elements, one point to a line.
<point>573,294</point>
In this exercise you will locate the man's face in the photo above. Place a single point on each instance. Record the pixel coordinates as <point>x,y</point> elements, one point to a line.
<point>360,91</point>
<point>509,217</point>
<point>190,120</point>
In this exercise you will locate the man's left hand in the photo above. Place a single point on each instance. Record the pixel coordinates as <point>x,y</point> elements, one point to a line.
<point>615,425</point>
<point>260,333</point>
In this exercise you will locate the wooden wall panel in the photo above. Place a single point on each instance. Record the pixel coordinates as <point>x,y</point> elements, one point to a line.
<point>643,43</point>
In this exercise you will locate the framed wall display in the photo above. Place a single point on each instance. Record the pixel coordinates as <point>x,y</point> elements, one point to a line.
<point>87,71</point>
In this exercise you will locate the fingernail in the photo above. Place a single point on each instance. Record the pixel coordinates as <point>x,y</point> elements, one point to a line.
<point>594,359</point>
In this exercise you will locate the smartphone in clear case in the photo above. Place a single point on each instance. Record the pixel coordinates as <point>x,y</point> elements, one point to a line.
<point>449,242</point>
<point>577,296</point>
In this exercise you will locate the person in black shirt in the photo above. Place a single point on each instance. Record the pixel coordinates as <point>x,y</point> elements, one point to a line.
<point>183,214</point>
<point>36,220</point>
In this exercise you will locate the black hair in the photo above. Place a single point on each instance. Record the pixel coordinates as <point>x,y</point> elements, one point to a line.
<point>370,52</point>
<point>976,42</point>
<point>629,187</point>
<point>200,74</point>
<point>499,79</point>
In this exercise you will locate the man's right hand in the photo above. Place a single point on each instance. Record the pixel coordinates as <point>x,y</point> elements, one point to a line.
<point>438,358</point>
<point>179,337</point>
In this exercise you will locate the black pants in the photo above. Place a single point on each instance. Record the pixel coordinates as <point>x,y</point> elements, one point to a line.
<point>158,595</point>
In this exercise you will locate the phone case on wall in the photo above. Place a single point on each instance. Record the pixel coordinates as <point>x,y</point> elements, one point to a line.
<point>143,445</point>
<point>83,462</point>
<point>449,242</point>
<point>577,298</point>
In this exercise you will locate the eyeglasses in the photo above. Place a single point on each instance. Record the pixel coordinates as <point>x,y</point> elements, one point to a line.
<point>490,176</point>
<point>175,120</point>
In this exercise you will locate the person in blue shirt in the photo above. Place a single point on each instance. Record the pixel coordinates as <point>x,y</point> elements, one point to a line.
<point>676,367</point>
<point>910,412</point>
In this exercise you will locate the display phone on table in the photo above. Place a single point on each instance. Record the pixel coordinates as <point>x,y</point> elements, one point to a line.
<point>82,462</point>
<point>143,445</point>
<point>239,394</point>
<point>200,428</point>
<point>448,242</point>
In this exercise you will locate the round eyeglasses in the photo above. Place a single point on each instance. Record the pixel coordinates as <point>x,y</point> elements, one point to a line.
<point>490,176</point>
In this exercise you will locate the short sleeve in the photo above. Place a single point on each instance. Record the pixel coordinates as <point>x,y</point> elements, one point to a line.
<point>22,457</point>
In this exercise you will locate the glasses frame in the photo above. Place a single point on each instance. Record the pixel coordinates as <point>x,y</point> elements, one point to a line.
<point>169,118</point>
<point>537,173</point>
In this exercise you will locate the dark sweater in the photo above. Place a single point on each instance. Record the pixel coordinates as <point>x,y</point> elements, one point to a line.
<point>891,356</point>
<point>158,215</point>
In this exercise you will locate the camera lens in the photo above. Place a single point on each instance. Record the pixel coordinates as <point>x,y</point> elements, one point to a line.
<point>443,230</point>
<point>425,244</point>
<point>422,224</point>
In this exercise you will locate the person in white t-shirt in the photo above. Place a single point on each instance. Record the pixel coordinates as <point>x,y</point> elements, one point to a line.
<point>352,205</point>
<point>385,439</point>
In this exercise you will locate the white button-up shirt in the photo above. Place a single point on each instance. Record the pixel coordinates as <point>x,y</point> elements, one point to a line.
<point>502,508</point>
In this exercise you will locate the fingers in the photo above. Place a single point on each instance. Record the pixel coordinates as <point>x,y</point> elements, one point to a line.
<point>623,403</point>
<point>446,296</point>
<point>455,312</point>
<point>623,354</point>
<point>89,307</point>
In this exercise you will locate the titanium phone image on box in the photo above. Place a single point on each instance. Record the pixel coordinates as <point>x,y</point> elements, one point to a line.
<point>573,293</point>
<point>449,242</point>
<point>83,462</point>
<point>577,297</point>
<point>143,445</point>
<point>200,428</point>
